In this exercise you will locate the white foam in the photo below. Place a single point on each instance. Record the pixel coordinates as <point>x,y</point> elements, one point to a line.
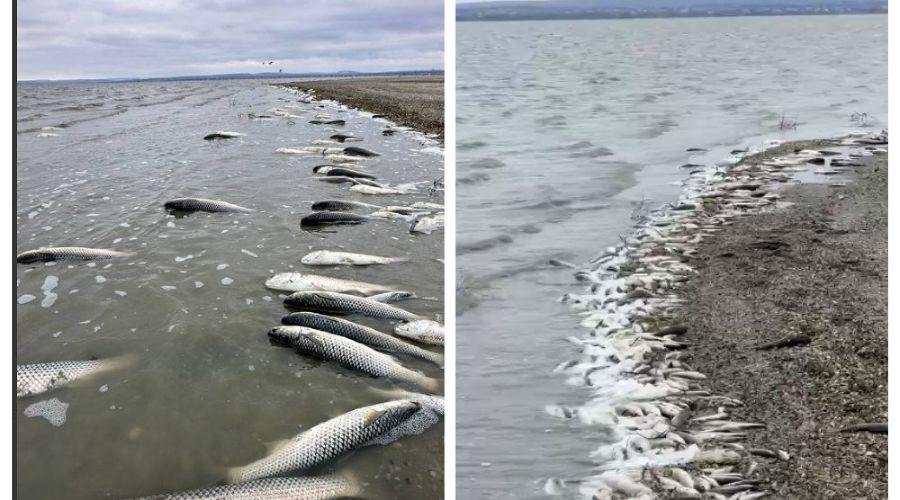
<point>53,410</point>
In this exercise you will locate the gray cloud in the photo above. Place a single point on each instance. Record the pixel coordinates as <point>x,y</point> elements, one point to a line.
<point>112,38</point>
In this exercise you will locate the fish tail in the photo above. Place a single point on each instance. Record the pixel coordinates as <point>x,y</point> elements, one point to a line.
<point>435,357</point>
<point>121,362</point>
<point>432,385</point>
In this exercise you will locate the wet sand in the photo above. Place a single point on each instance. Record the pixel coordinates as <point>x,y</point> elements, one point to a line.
<point>819,269</point>
<point>411,101</point>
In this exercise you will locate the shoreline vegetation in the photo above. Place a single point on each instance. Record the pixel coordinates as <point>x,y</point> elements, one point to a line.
<point>814,272</point>
<point>410,101</point>
<point>742,332</point>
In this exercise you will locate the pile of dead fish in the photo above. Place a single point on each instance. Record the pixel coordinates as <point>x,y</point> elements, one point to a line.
<point>313,330</point>
<point>669,437</point>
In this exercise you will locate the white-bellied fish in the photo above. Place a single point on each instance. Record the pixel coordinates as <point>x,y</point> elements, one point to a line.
<point>396,296</point>
<point>328,440</point>
<point>329,258</point>
<point>325,218</point>
<point>68,253</point>
<point>41,377</point>
<point>340,205</point>
<point>350,353</point>
<point>354,331</point>
<point>222,134</point>
<point>301,282</point>
<point>341,303</point>
<point>374,190</point>
<point>427,224</point>
<point>422,330</point>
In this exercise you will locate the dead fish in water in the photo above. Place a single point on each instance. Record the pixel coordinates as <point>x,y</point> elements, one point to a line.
<point>389,297</point>
<point>427,224</point>
<point>341,303</point>
<point>357,332</point>
<point>387,132</point>
<point>202,205</point>
<point>875,428</point>
<point>350,353</point>
<point>357,151</point>
<point>369,189</point>
<point>329,258</point>
<point>326,217</point>
<point>42,377</point>
<point>343,179</point>
<point>67,253</point>
<point>222,134</point>
<point>422,330</point>
<point>345,137</point>
<point>340,205</point>
<point>385,214</point>
<point>299,282</point>
<point>340,171</point>
<point>327,440</point>
<point>296,488</point>
<point>428,205</point>
<point>319,121</point>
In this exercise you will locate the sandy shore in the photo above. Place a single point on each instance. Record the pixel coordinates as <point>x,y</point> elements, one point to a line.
<point>412,101</point>
<point>816,269</point>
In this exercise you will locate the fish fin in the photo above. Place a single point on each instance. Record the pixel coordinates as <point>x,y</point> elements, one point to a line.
<point>373,417</point>
<point>275,446</point>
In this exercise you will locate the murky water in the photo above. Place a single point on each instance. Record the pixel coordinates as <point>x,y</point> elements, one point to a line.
<point>566,129</point>
<point>208,390</point>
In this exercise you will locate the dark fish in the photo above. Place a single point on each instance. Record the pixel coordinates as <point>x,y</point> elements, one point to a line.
<point>202,205</point>
<point>67,253</point>
<point>327,217</point>
<point>357,151</point>
<point>221,135</point>
<point>341,205</point>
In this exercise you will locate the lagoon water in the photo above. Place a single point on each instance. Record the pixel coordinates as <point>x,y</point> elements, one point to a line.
<point>207,390</point>
<point>566,130</point>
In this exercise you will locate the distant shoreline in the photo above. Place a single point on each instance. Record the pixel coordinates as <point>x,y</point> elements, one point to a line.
<point>469,17</point>
<point>243,76</point>
<point>411,101</point>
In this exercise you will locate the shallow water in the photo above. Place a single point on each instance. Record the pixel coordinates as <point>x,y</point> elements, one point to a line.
<point>566,131</point>
<point>208,390</point>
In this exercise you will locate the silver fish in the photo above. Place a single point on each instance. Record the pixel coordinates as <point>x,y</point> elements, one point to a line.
<point>42,377</point>
<point>324,218</point>
<point>340,303</point>
<point>365,188</point>
<point>275,488</point>
<point>359,333</point>
<point>422,330</point>
<point>427,224</point>
<point>340,205</point>
<point>329,258</point>
<point>389,297</point>
<point>67,253</point>
<point>203,205</point>
<point>327,440</point>
<point>350,353</point>
<point>300,282</point>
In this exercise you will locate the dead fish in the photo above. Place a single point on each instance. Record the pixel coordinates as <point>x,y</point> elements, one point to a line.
<point>359,333</point>
<point>427,224</point>
<point>300,282</point>
<point>341,205</point>
<point>388,297</point>
<point>340,303</point>
<point>422,330</point>
<point>295,488</point>
<point>222,134</point>
<point>350,353</point>
<point>326,217</point>
<point>327,440</point>
<point>42,377</point>
<point>329,258</point>
<point>67,253</point>
<point>202,205</point>
<point>368,189</point>
<point>357,151</point>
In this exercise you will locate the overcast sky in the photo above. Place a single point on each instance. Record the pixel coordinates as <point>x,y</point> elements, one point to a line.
<point>140,38</point>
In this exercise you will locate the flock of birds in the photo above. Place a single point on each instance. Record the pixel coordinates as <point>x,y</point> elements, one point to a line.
<point>314,328</point>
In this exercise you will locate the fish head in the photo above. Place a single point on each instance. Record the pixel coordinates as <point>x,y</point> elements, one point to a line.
<point>392,415</point>
<point>32,256</point>
<point>284,336</point>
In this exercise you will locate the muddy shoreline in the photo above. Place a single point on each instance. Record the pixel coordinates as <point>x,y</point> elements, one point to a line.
<point>816,269</point>
<point>410,101</point>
